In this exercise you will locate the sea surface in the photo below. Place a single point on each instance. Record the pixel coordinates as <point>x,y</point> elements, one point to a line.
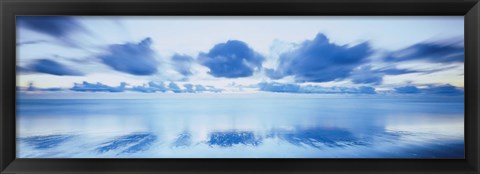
<point>243,126</point>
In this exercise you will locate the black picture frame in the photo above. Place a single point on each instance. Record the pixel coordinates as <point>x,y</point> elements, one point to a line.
<point>10,8</point>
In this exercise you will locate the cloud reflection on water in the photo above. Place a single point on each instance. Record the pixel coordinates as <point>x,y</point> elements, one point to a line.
<point>322,138</point>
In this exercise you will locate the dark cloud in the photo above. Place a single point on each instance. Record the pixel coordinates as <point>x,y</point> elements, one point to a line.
<point>293,88</point>
<point>182,64</point>
<point>232,59</point>
<point>97,87</point>
<point>444,52</point>
<point>445,89</point>
<point>49,67</point>
<point>55,26</point>
<point>136,59</point>
<point>319,60</point>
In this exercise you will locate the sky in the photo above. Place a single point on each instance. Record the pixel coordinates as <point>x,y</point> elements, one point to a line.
<point>62,55</point>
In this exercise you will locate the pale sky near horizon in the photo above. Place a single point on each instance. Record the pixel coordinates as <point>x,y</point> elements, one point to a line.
<point>424,50</point>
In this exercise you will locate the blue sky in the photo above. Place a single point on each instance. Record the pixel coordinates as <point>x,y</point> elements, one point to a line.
<point>341,55</point>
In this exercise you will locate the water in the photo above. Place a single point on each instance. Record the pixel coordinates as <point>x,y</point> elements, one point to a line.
<point>242,126</point>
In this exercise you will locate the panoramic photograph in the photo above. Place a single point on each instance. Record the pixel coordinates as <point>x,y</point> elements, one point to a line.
<point>240,87</point>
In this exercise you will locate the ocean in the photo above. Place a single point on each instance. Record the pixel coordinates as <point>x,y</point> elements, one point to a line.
<point>243,126</point>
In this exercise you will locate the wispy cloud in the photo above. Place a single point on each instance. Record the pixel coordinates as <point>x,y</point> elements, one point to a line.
<point>183,64</point>
<point>48,66</point>
<point>31,42</point>
<point>443,52</point>
<point>59,27</point>
<point>55,26</point>
<point>131,58</point>
<point>365,74</point>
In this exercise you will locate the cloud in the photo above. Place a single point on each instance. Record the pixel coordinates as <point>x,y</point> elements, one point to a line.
<point>368,79</point>
<point>443,52</point>
<point>338,90</point>
<point>158,86</point>
<point>232,59</point>
<point>200,88</point>
<point>365,90</point>
<point>21,69</point>
<point>97,87</point>
<point>395,71</point>
<point>55,26</point>
<point>61,28</point>
<point>445,89</point>
<point>174,87</point>
<point>144,89</point>
<point>31,87</point>
<point>407,90</point>
<point>189,88</point>
<point>49,67</point>
<point>135,59</point>
<point>151,87</point>
<point>31,42</point>
<point>294,88</point>
<point>208,88</point>
<point>279,87</point>
<point>365,75</point>
<point>182,64</point>
<point>319,60</point>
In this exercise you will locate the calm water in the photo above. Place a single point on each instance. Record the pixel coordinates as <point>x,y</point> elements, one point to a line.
<point>238,126</point>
